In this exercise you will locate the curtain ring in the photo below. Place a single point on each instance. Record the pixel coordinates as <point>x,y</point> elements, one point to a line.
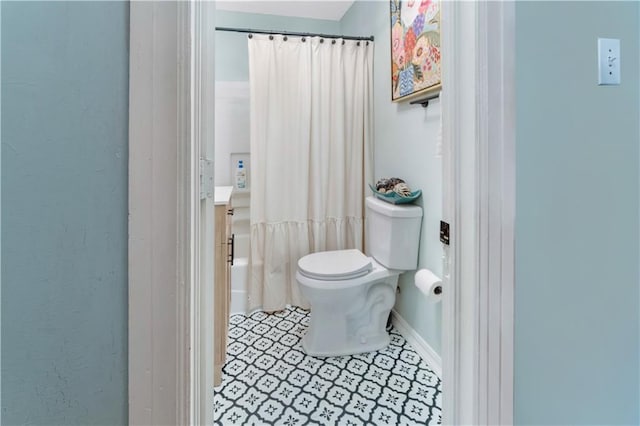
<point>270,37</point>
<point>358,43</point>
<point>367,43</point>
<point>343,42</point>
<point>285,38</point>
<point>333,42</point>
<point>304,39</point>
<point>250,36</point>
<point>321,40</point>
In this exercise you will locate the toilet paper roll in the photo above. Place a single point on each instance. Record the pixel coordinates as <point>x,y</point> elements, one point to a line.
<point>429,284</point>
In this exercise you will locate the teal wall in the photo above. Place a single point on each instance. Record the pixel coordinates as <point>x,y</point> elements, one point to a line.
<point>406,145</point>
<point>232,55</point>
<point>64,219</point>
<point>576,312</point>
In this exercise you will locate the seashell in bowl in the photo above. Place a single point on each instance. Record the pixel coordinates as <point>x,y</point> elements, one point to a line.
<point>388,183</point>
<point>402,189</point>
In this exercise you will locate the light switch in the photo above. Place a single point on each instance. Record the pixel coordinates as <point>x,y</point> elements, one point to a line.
<point>608,61</point>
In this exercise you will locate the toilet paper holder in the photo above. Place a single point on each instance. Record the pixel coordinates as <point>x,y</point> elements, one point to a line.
<point>429,284</point>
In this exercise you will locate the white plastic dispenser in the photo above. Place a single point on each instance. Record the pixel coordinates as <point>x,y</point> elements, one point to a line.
<point>241,176</point>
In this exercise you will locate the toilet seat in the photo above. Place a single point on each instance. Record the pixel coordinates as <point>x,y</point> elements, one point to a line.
<point>335,265</point>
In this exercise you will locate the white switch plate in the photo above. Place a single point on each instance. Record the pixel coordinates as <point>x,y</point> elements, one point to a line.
<point>608,61</point>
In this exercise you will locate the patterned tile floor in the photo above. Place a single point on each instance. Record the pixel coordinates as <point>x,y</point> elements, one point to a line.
<point>268,379</point>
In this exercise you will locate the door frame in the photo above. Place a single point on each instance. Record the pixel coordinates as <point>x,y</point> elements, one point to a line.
<point>202,36</point>
<point>170,307</point>
<point>156,132</point>
<point>479,203</point>
<point>171,125</point>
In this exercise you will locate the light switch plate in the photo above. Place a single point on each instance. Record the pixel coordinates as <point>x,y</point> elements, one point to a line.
<point>608,61</point>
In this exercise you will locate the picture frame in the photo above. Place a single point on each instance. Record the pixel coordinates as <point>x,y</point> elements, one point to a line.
<point>415,48</point>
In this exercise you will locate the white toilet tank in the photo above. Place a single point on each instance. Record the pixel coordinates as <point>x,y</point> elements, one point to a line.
<point>393,233</point>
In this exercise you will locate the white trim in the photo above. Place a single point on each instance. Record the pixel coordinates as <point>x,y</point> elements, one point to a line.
<point>496,189</point>
<point>479,203</point>
<point>152,201</point>
<point>202,33</point>
<point>426,352</point>
<point>188,256</point>
<point>161,214</point>
<point>459,209</point>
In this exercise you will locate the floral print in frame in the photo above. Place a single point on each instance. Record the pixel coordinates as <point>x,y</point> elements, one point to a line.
<point>415,48</point>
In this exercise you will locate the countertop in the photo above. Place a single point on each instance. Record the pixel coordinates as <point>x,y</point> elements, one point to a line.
<point>222,195</point>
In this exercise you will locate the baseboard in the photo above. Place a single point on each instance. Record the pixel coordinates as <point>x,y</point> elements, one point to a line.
<point>421,346</point>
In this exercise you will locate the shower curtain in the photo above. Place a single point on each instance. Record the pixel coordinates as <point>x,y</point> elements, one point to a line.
<point>311,153</point>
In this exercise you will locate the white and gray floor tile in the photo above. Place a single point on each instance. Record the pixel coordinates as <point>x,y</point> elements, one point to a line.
<point>269,380</point>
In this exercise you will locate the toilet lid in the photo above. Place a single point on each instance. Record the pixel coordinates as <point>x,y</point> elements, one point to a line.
<point>335,265</point>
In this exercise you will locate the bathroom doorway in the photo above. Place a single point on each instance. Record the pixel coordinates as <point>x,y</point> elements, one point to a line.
<point>467,366</point>
<point>267,376</point>
<point>462,186</point>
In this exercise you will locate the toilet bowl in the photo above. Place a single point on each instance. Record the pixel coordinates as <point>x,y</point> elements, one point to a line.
<point>351,294</point>
<point>349,312</point>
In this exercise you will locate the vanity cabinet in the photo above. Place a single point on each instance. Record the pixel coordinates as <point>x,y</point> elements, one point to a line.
<point>224,241</point>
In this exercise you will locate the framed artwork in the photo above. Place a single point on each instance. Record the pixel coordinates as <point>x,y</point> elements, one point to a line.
<point>415,48</point>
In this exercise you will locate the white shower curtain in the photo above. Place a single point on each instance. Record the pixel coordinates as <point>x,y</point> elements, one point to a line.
<point>311,154</point>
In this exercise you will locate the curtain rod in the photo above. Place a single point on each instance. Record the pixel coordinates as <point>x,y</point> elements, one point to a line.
<point>293,34</point>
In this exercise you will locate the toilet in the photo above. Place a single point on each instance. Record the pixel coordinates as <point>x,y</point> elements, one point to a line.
<point>351,294</point>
